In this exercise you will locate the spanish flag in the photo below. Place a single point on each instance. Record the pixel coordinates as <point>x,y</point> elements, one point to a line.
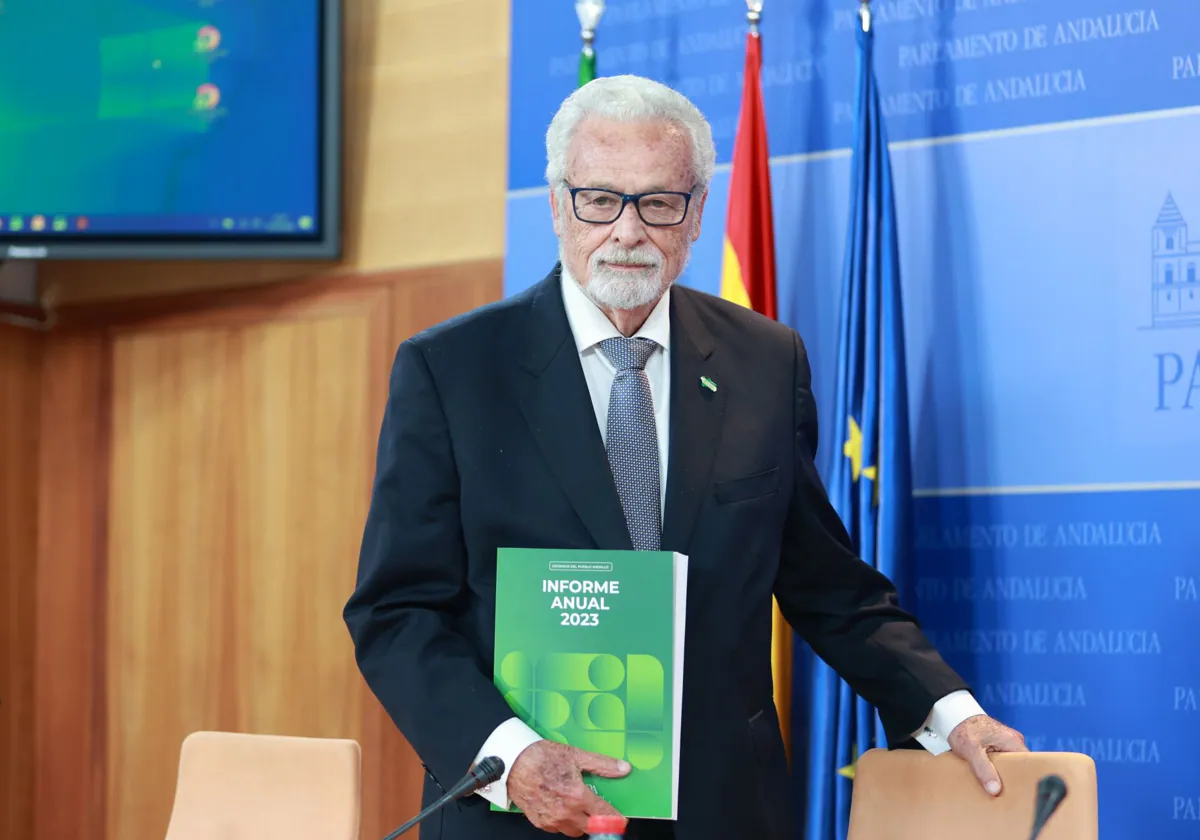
<point>748,268</point>
<point>748,278</point>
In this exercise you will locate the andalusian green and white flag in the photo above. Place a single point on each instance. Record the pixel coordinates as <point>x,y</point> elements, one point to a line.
<point>589,12</point>
<point>587,65</point>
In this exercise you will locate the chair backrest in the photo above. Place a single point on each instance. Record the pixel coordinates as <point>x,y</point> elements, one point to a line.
<point>235,786</point>
<point>914,795</point>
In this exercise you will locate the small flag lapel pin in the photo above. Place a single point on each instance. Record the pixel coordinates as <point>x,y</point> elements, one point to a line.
<point>708,383</point>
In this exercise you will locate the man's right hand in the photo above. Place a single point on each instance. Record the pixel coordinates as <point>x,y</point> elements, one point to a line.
<point>546,783</point>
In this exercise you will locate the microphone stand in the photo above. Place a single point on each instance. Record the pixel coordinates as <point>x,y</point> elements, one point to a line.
<point>1051,791</point>
<point>484,773</point>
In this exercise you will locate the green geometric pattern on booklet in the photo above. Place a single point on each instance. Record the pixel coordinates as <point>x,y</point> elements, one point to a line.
<point>593,701</point>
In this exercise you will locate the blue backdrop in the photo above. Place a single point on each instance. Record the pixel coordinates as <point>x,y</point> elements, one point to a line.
<point>1046,166</point>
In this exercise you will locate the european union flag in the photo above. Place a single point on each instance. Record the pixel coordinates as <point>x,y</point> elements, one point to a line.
<point>871,485</point>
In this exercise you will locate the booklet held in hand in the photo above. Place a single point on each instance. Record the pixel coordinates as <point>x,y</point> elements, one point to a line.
<point>589,652</point>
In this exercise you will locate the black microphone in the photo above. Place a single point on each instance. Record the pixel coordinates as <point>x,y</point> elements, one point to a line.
<point>488,770</point>
<point>1051,791</point>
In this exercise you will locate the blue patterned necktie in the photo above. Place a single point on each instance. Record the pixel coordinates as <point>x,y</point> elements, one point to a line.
<point>632,440</point>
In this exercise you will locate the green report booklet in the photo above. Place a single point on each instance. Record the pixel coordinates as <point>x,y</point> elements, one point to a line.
<point>589,652</point>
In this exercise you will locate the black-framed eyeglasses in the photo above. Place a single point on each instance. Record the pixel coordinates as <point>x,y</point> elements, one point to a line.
<point>598,206</point>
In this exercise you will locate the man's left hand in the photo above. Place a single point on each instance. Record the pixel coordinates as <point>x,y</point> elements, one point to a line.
<point>976,738</point>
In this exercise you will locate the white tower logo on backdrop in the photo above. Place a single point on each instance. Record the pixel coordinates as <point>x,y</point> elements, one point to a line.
<point>1175,270</point>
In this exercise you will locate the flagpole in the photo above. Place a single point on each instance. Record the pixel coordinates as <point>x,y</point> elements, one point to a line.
<point>781,631</point>
<point>869,715</point>
<point>589,13</point>
<point>753,15</point>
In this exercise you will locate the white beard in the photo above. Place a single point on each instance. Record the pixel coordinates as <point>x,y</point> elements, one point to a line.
<point>624,289</point>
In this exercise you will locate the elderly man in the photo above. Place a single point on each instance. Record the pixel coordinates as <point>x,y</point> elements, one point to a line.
<point>498,432</point>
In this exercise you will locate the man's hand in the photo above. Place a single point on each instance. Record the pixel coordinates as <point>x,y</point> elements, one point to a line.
<point>975,738</point>
<point>546,784</point>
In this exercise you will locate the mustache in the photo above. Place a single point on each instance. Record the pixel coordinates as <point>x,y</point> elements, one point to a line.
<point>627,256</point>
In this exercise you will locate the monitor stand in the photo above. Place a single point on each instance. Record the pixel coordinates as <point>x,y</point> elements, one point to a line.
<point>19,303</point>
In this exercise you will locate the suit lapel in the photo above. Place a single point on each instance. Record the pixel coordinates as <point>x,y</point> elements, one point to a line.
<point>554,398</point>
<point>697,413</point>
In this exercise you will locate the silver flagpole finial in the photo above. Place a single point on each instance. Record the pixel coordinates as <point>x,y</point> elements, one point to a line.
<point>864,12</point>
<point>753,14</point>
<point>589,13</point>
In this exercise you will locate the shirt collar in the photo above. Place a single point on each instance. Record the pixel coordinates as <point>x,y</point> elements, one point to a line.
<point>590,325</point>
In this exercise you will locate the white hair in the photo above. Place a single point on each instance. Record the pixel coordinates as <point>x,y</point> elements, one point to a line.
<point>628,99</point>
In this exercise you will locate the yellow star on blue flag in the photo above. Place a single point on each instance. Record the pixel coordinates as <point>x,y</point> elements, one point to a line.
<point>853,449</point>
<point>847,772</point>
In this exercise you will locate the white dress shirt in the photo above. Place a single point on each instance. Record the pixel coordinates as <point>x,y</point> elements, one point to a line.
<point>590,326</point>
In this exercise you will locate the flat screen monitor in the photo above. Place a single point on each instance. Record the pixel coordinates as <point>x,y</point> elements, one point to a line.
<point>170,129</point>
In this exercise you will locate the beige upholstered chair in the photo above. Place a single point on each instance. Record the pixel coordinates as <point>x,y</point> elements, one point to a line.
<point>914,795</point>
<point>260,787</point>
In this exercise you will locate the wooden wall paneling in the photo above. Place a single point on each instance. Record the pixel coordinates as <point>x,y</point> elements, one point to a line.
<point>172,617</point>
<point>20,372</point>
<point>437,144</point>
<point>241,448</point>
<point>69,732</point>
<point>420,298</point>
<point>392,773</point>
<point>425,297</point>
<point>206,471</point>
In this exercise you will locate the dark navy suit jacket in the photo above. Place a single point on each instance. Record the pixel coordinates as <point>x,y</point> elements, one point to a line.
<point>490,439</point>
